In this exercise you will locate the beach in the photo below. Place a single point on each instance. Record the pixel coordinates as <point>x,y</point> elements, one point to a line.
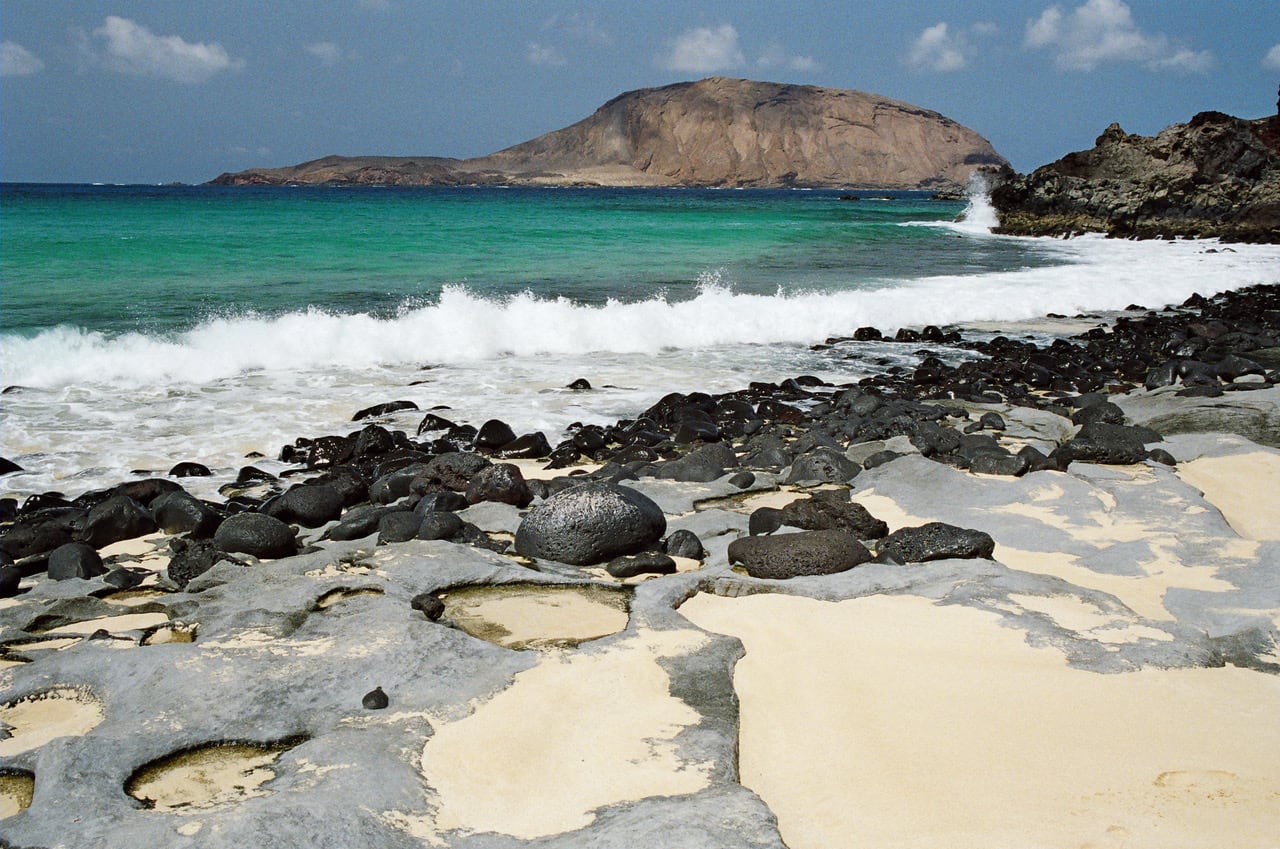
<point>957,578</point>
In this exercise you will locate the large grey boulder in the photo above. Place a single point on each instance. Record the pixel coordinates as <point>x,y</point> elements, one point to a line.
<point>591,523</point>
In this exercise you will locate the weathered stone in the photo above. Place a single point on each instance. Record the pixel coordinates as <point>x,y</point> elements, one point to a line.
<point>935,541</point>
<point>74,560</point>
<point>833,509</point>
<point>502,483</point>
<point>309,505</point>
<point>684,543</point>
<point>792,555</point>
<point>118,518</point>
<point>822,465</point>
<point>647,563</point>
<point>256,534</point>
<point>590,523</point>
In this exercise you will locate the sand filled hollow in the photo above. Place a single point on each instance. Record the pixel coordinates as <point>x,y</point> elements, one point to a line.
<point>35,720</point>
<point>522,616</point>
<point>577,732</point>
<point>1244,488</point>
<point>889,721</point>
<point>206,777</point>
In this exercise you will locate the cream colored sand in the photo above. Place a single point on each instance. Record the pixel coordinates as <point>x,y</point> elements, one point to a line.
<point>37,719</point>
<point>137,547</point>
<point>1086,619</point>
<point>134,598</point>
<point>1244,487</point>
<point>16,791</point>
<point>533,469</point>
<point>526,616</point>
<point>205,778</point>
<point>889,721</point>
<point>114,624</point>
<point>576,732</point>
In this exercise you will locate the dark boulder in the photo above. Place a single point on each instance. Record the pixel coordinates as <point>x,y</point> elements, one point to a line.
<point>1106,412</point>
<point>359,522</point>
<point>580,385</point>
<point>145,491</point>
<point>375,699</point>
<point>192,559</point>
<point>934,541</point>
<point>429,604</point>
<point>373,441</point>
<point>1098,442</point>
<point>502,483</point>
<point>10,579</point>
<point>74,560</point>
<point>42,531</point>
<point>531,446</point>
<point>701,465</point>
<point>398,526</point>
<point>440,525</point>
<point>763,521</point>
<point>118,518</point>
<point>383,410</point>
<point>646,563</point>
<point>493,435</point>
<point>8,467</point>
<point>330,451</point>
<point>742,480</point>
<point>590,523</point>
<point>256,534</point>
<point>309,505</point>
<point>442,501</point>
<point>182,513</point>
<point>793,555</point>
<point>431,422</point>
<point>822,465</point>
<point>454,470</point>
<point>833,509</point>
<point>190,470</point>
<point>684,543</point>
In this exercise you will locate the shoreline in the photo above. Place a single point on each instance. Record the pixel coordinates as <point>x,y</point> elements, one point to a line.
<point>1035,557</point>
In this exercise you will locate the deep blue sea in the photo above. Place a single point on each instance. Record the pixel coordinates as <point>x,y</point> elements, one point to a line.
<point>149,325</point>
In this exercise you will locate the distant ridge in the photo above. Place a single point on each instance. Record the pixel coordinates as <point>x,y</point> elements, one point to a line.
<point>713,132</point>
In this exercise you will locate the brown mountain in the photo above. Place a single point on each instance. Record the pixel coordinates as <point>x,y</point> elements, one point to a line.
<point>714,132</point>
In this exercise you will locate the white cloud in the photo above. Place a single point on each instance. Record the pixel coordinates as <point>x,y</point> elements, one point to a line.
<point>131,48</point>
<point>326,51</point>
<point>18,61</point>
<point>1272,59</point>
<point>579,26</point>
<point>776,56</point>
<point>1102,31</point>
<point>542,54</point>
<point>938,48</point>
<point>703,49</point>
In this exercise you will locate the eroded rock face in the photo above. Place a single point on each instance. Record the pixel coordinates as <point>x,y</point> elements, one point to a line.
<point>792,555</point>
<point>1214,176</point>
<point>713,132</point>
<point>591,523</point>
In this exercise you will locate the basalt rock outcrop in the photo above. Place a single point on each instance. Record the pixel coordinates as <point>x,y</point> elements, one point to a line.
<point>713,132</point>
<point>1214,176</point>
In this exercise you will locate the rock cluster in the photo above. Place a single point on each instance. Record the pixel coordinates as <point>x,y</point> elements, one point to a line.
<point>1214,176</point>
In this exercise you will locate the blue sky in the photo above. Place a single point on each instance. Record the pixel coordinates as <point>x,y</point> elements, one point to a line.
<point>161,90</point>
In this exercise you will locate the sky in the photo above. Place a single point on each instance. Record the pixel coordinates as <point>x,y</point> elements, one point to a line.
<point>152,91</point>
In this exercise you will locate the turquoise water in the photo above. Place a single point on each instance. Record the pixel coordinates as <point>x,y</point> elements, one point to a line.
<point>143,326</point>
<point>159,259</point>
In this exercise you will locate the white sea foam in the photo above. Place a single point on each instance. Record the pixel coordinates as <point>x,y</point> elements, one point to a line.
<point>98,406</point>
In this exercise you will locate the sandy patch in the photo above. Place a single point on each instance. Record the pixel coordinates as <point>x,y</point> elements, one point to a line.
<point>1086,619</point>
<point>134,598</point>
<point>579,731</point>
<point>137,547</point>
<point>35,720</point>
<point>206,777</point>
<point>526,616</point>
<point>1244,487</point>
<point>114,624</point>
<point>923,726</point>
<point>887,510</point>
<point>340,594</point>
<point>16,792</point>
<point>533,469</point>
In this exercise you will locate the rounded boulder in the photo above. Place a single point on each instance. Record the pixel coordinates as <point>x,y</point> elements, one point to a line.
<point>257,534</point>
<point>591,523</point>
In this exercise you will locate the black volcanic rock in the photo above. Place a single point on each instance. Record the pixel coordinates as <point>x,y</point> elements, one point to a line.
<point>1214,176</point>
<point>792,555</point>
<point>590,523</point>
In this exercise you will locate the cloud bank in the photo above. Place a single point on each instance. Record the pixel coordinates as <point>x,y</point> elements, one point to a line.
<point>130,48</point>
<point>1103,31</point>
<point>703,50</point>
<point>18,61</point>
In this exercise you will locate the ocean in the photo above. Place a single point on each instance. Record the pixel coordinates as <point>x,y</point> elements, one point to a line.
<point>144,326</point>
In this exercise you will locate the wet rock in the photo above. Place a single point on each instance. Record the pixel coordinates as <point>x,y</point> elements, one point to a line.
<point>742,480</point>
<point>125,578</point>
<point>190,560</point>
<point>182,513</point>
<point>330,451</point>
<point>42,531</point>
<point>701,465</point>
<point>309,505</point>
<point>646,563</point>
<point>431,422</point>
<point>443,501</point>
<point>580,385</point>
<point>10,579</point>
<point>502,483</point>
<point>1111,444</point>
<point>375,699</point>
<point>590,523</point>
<point>792,555</point>
<point>398,526</point>
<point>493,435</point>
<point>256,534</point>
<point>373,441</point>
<point>440,525</point>
<point>118,518</point>
<point>359,522</point>
<point>8,467</point>
<point>827,510</point>
<point>822,465</point>
<point>935,541</point>
<point>684,543</point>
<point>454,470</point>
<point>190,470</point>
<point>429,604</point>
<point>74,560</point>
<point>763,521</point>
<point>1104,412</point>
<point>383,410</point>
<point>531,446</point>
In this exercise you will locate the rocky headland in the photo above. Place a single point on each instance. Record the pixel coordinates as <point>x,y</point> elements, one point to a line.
<point>713,132</point>
<point>920,609</point>
<point>1214,176</point>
